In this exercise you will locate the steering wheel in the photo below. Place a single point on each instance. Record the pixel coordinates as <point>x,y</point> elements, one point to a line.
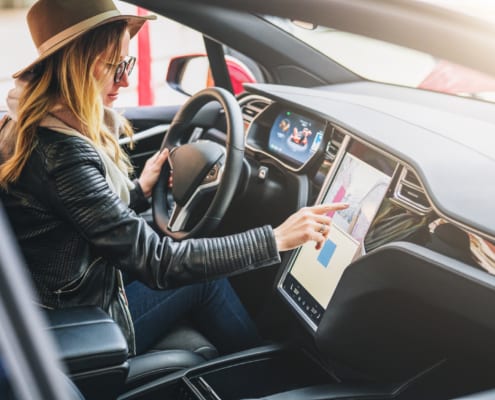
<point>198,169</point>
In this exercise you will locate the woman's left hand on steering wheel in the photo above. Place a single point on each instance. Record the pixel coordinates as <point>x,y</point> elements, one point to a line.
<point>151,171</point>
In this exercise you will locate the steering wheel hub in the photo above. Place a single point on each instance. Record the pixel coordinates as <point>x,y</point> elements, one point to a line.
<point>194,165</point>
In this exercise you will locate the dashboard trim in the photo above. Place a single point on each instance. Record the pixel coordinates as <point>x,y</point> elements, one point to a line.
<point>147,133</point>
<point>245,101</point>
<point>403,137</point>
<point>403,201</point>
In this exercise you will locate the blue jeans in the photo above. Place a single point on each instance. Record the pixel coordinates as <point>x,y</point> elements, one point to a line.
<point>213,306</point>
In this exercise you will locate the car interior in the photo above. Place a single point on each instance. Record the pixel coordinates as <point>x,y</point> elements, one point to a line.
<point>397,302</point>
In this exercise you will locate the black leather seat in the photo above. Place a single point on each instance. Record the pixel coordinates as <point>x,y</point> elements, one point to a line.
<point>185,337</point>
<point>182,348</point>
<point>149,366</point>
<point>95,352</point>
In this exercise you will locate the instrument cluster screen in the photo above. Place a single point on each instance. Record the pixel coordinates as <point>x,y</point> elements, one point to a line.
<point>294,137</point>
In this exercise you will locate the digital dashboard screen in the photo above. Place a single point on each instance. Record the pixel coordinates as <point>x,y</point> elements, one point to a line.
<point>314,274</point>
<point>295,137</point>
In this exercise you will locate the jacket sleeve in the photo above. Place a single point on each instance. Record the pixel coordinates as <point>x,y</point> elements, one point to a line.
<point>138,201</point>
<point>79,192</point>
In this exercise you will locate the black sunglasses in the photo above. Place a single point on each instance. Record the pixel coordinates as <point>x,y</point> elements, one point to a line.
<point>126,65</point>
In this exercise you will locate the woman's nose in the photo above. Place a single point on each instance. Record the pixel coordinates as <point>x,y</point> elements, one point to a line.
<point>124,81</point>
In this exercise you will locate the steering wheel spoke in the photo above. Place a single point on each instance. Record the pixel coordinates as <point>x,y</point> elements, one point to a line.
<point>178,218</point>
<point>181,215</point>
<point>214,175</point>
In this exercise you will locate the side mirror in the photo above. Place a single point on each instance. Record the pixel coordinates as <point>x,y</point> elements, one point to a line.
<point>189,74</point>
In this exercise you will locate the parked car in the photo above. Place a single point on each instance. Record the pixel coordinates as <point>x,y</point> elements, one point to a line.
<point>398,303</point>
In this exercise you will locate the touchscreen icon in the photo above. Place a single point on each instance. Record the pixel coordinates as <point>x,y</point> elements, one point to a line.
<point>326,253</point>
<point>284,125</point>
<point>300,137</point>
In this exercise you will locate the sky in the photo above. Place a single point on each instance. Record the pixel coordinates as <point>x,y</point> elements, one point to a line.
<point>481,8</point>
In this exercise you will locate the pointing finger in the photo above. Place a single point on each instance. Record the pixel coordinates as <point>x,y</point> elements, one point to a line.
<point>324,208</point>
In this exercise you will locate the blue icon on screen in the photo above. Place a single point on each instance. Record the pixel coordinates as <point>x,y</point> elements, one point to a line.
<point>326,253</point>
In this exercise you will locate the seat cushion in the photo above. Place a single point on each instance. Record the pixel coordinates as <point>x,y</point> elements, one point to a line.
<point>182,348</point>
<point>149,366</point>
<point>187,338</point>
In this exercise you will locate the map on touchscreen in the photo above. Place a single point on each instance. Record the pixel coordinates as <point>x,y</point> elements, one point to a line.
<point>363,186</point>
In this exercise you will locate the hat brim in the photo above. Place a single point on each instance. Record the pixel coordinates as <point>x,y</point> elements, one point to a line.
<point>135,23</point>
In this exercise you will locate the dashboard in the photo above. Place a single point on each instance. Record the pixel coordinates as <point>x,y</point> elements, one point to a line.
<point>404,287</point>
<point>392,180</point>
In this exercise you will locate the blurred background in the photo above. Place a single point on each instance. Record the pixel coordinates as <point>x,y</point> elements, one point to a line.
<point>166,39</point>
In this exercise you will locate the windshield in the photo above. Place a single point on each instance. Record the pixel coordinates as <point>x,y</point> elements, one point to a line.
<point>385,62</point>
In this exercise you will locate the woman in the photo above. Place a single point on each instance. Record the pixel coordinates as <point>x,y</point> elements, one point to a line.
<point>67,193</point>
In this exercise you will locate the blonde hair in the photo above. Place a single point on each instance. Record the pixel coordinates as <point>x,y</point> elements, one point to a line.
<point>67,77</point>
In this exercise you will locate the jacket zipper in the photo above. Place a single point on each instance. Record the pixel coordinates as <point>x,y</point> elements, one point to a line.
<point>124,304</point>
<point>80,278</point>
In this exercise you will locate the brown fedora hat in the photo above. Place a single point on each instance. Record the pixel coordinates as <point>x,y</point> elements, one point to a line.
<point>54,23</point>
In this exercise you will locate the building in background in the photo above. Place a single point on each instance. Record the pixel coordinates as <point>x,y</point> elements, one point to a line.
<point>15,3</point>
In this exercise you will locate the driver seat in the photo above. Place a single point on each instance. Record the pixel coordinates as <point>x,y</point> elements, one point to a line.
<point>182,348</point>
<point>96,355</point>
<point>185,337</point>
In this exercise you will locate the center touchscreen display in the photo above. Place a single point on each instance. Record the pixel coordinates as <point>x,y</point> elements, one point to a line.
<point>314,274</point>
<point>294,137</point>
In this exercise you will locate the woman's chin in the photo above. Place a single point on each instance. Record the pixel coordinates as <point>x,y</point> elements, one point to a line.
<point>110,99</point>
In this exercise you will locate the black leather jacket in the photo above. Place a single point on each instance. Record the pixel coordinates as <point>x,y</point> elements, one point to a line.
<point>77,235</point>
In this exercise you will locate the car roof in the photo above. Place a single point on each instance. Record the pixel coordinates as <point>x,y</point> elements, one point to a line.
<point>442,32</point>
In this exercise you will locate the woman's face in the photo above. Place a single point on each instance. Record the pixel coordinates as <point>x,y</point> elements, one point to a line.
<point>110,89</point>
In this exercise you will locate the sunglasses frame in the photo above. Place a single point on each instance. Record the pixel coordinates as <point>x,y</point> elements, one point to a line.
<point>126,65</point>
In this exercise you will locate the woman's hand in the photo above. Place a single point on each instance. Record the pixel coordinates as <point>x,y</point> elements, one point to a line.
<point>151,171</point>
<point>309,223</point>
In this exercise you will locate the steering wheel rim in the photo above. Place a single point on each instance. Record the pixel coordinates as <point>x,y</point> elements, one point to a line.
<point>227,175</point>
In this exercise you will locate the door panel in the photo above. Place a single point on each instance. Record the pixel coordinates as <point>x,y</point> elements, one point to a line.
<point>150,124</point>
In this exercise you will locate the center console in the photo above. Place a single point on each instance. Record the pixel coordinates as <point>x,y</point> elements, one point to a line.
<point>379,322</point>
<point>373,341</point>
<point>270,372</point>
<point>360,177</point>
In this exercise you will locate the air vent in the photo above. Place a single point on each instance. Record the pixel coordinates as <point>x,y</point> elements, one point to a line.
<point>410,177</point>
<point>415,196</point>
<point>259,104</point>
<point>410,192</point>
<point>334,144</point>
<point>251,106</point>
